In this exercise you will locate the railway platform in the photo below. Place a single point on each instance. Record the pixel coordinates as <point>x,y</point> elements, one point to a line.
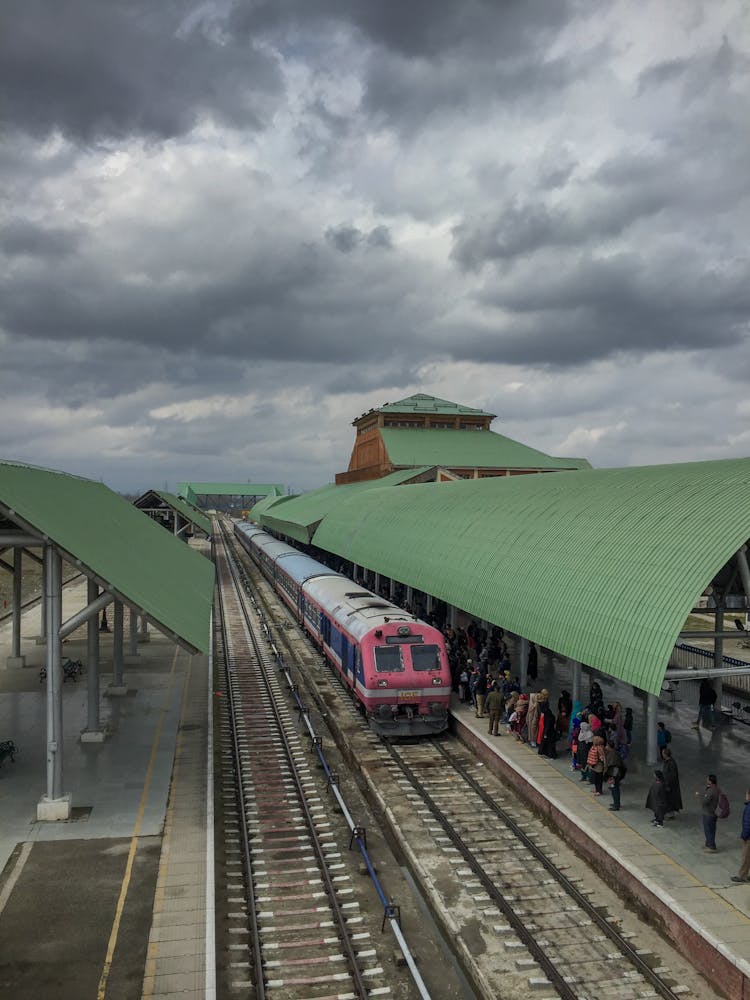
<point>664,873</point>
<point>112,903</point>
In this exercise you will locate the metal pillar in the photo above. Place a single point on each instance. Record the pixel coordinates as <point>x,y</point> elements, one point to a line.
<point>652,710</point>
<point>43,602</point>
<point>452,615</point>
<point>718,657</point>
<point>15,659</point>
<point>392,589</point>
<point>53,805</point>
<point>376,588</point>
<point>143,635</point>
<point>133,643</point>
<point>410,597</point>
<point>522,645</point>
<point>576,671</point>
<point>117,658</point>
<point>92,733</point>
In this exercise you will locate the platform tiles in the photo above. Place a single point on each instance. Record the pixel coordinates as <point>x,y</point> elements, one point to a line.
<point>123,788</point>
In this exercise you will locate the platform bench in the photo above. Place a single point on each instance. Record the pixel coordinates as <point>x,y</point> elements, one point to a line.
<point>8,749</point>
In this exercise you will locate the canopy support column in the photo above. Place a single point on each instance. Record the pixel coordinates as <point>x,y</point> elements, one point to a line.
<point>652,710</point>
<point>143,635</point>
<point>117,687</point>
<point>133,636</point>
<point>718,655</point>
<point>15,659</point>
<point>93,733</point>
<point>41,639</point>
<point>576,671</point>
<point>523,661</point>
<point>54,805</point>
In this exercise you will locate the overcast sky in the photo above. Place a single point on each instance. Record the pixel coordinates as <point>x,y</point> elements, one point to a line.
<point>228,229</point>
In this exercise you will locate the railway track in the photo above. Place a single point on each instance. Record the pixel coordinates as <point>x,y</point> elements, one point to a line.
<point>480,857</point>
<point>295,923</point>
<point>555,940</point>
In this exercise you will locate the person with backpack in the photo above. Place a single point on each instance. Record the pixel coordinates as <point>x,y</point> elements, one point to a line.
<point>709,807</point>
<point>657,800</point>
<point>663,737</point>
<point>744,872</point>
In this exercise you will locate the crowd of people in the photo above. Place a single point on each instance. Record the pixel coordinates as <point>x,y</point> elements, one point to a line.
<point>597,736</point>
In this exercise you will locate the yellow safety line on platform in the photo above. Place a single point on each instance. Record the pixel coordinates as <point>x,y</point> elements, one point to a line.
<point>153,947</point>
<point>10,885</point>
<point>102,990</point>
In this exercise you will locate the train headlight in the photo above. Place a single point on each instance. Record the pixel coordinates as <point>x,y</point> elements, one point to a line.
<point>383,683</point>
<point>437,681</point>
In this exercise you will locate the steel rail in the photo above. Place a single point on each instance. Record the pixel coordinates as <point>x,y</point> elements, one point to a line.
<point>390,912</point>
<point>625,948</point>
<point>522,932</point>
<point>222,633</point>
<point>347,945</point>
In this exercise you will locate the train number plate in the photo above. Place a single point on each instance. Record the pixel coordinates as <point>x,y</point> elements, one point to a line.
<point>407,695</point>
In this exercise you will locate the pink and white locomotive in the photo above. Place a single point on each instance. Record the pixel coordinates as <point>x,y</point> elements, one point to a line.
<point>395,665</point>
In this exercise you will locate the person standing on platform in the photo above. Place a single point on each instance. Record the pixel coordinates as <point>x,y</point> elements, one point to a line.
<point>614,772</point>
<point>657,800</point>
<point>595,762</point>
<point>663,736</point>
<point>495,708</point>
<point>480,692</point>
<point>532,718</point>
<point>706,701</point>
<point>744,872</point>
<point>710,802</point>
<point>671,783</point>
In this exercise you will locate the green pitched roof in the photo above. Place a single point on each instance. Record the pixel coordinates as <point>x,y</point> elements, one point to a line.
<point>299,517</point>
<point>601,565</point>
<point>144,564</point>
<point>188,511</point>
<point>420,403</point>
<point>470,449</point>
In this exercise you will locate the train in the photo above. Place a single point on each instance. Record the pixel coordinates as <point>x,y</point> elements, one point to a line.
<point>395,665</point>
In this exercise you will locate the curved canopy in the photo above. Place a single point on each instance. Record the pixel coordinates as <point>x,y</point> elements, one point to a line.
<point>601,565</point>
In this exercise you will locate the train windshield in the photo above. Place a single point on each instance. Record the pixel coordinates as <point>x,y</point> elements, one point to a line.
<point>388,659</point>
<point>425,657</point>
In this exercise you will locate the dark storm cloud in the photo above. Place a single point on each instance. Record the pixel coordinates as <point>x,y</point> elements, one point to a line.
<point>20,237</point>
<point>347,238</point>
<point>423,28</point>
<point>601,307</point>
<point>106,70</point>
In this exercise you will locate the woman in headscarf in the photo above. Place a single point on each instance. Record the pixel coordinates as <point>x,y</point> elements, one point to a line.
<point>549,732</point>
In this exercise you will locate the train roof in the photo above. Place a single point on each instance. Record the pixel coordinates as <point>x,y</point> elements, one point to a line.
<point>357,608</point>
<point>301,567</point>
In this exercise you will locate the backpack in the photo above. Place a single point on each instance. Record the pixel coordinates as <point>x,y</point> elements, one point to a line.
<point>722,809</point>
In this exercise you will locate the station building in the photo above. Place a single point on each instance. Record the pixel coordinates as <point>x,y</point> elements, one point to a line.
<point>456,440</point>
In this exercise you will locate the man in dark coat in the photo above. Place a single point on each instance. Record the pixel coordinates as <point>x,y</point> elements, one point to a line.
<point>657,800</point>
<point>671,783</point>
<point>549,733</point>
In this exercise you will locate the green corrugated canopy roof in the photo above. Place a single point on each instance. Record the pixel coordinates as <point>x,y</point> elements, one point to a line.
<point>602,565</point>
<point>468,449</point>
<point>265,503</point>
<point>299,516</point>
<point>111,539</point>
<point>188,511</point>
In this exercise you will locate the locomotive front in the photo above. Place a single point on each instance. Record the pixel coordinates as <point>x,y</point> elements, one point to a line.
<point>406,677</point>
